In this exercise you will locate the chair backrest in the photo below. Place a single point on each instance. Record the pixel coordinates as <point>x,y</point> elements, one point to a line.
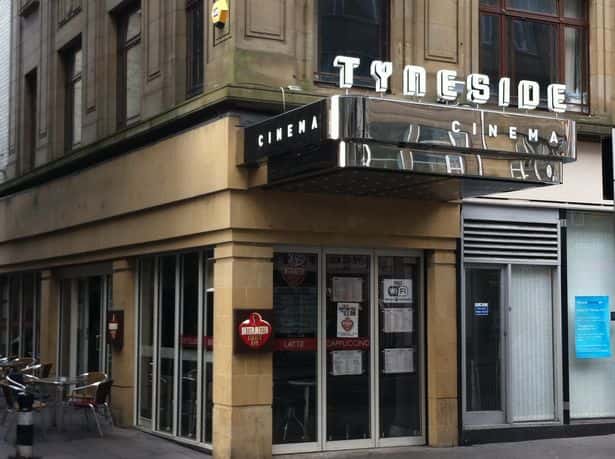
<point>46,370</point>
<point>8,395</point>
<point>102,392</point>
<point>32,369</point>
<point>93,377</point>
<point>22,362</point>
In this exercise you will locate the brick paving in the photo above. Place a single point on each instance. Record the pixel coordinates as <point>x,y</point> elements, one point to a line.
<point>76,442</point>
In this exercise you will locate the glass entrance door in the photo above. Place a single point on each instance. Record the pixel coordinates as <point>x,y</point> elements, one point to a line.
<point>484,362</point>
<point>509,345</point>
<point>347,351</point>
<point>348,347</point>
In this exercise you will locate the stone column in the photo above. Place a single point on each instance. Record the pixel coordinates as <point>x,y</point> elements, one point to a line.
<point>49,319</point>
<point>442,396</point>
<point>123,361</point>
<point>242,384</point>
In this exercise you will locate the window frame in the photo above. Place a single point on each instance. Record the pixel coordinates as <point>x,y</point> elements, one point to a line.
<point>70,81</point>
<point>194,86</point>
<point>359,81</point>
<point>505,14</point>
<point>124,45</point>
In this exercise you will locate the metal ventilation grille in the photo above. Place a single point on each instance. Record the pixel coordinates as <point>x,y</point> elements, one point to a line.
<point>506,240</point>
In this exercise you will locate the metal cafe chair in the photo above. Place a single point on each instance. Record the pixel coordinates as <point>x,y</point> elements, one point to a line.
<point>9,387</point>
<point>97,405</point>
<point>39,370</point>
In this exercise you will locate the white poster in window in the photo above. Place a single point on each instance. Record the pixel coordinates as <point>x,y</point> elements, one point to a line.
<point>399,360</point>
<point>347,289</point>
<point>345,363</point>
<point>347,320</point>
<point>398,320</point>
<point>397,290</point>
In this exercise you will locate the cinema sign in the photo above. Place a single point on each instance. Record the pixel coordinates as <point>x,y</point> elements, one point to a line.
<point>477,85</point>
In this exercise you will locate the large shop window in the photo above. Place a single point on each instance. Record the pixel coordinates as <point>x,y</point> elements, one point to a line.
<point>84,304</point>
<point>347,363</point>
<point>356,28</point>
<point>591,270</point>
<point>175,365</point>
<point>539,40</point>
<point>19,315</point>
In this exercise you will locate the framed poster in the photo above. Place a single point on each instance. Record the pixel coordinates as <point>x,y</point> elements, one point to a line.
<point>347,289</point>
<point>347,320</point>
<point>399,360</point>
<point>398,320</point>
<point>397,290</point>
<point>346,363</point>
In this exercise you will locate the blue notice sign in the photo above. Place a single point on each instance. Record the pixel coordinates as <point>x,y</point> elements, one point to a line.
<point>481,309</point>
<point>592,327</point>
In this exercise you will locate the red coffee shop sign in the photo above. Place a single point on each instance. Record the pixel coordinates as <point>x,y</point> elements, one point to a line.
<point>253,331</point>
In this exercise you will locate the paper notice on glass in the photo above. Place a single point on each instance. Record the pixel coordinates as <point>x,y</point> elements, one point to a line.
<point>398,320</point>
<point>347,289</point>
<point>399,360</point>
<point>347,320</point>
<point>397,290</point>
<point>346,363</point>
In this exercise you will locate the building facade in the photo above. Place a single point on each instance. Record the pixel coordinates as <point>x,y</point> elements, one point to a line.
<point>5,58</point>
<point>267,256</point>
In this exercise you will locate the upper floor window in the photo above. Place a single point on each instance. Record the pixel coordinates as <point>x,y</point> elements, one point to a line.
<point>74,91</point>
<point>539,40</point>
<point>194,47</point>
<point>129,67</point>
<point>356,28</point>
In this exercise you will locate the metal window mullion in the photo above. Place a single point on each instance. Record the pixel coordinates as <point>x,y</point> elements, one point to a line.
<point>20,306</point>
<point>322,349</point>
<point>176,363</point>
<point>200,368</point>
<point>155,344</point>
<point>375,344</point>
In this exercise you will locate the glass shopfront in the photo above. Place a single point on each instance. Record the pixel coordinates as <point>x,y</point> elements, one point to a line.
<point>175,366</point>
<point>19,315</point>
<point>510,318</point>
<point>348,365</point>
<point>84,302</point>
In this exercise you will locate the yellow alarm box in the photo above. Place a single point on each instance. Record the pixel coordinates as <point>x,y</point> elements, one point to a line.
<point>219,13</point>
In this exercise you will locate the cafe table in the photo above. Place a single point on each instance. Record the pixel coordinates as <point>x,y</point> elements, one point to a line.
<point>62,385</point>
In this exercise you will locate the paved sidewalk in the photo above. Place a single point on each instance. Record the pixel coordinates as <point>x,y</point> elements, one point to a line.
<point>563,448</point>
<point>79,443</point>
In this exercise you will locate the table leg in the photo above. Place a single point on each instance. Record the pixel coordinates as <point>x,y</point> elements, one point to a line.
<point>306,411</point>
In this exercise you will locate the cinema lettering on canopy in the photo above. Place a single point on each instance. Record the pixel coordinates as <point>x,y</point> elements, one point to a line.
<point>358,196</point>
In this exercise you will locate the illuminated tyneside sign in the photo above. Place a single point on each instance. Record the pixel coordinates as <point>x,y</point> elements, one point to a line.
<point>477,85</point>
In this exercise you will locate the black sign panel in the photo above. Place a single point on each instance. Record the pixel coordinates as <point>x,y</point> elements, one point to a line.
<point>291,131</point>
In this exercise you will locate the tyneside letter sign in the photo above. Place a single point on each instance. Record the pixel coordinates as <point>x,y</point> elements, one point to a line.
<point>477,85</point>
<point>420,125</point>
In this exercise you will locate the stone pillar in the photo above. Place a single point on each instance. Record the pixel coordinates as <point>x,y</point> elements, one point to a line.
<point>242,384</point>
<point>442,396</point>
<point>123,361</point>
<point>49,319</point>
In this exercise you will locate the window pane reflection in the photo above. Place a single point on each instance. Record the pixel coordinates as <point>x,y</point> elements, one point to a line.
<point>574,9</point>
<point>352,28</point>
<point>133,81</point>
<point>146,336</point>
<point>400,399</point>
<point>534,6</point>
<point>295,307</point>
<point>575,65</point>
<point>189,344</point>
<point>166,338</point>
<point>490,47</point>
<point>533,53</point>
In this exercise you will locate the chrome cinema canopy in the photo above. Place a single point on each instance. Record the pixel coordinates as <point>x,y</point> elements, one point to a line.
<point>378,146</point>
